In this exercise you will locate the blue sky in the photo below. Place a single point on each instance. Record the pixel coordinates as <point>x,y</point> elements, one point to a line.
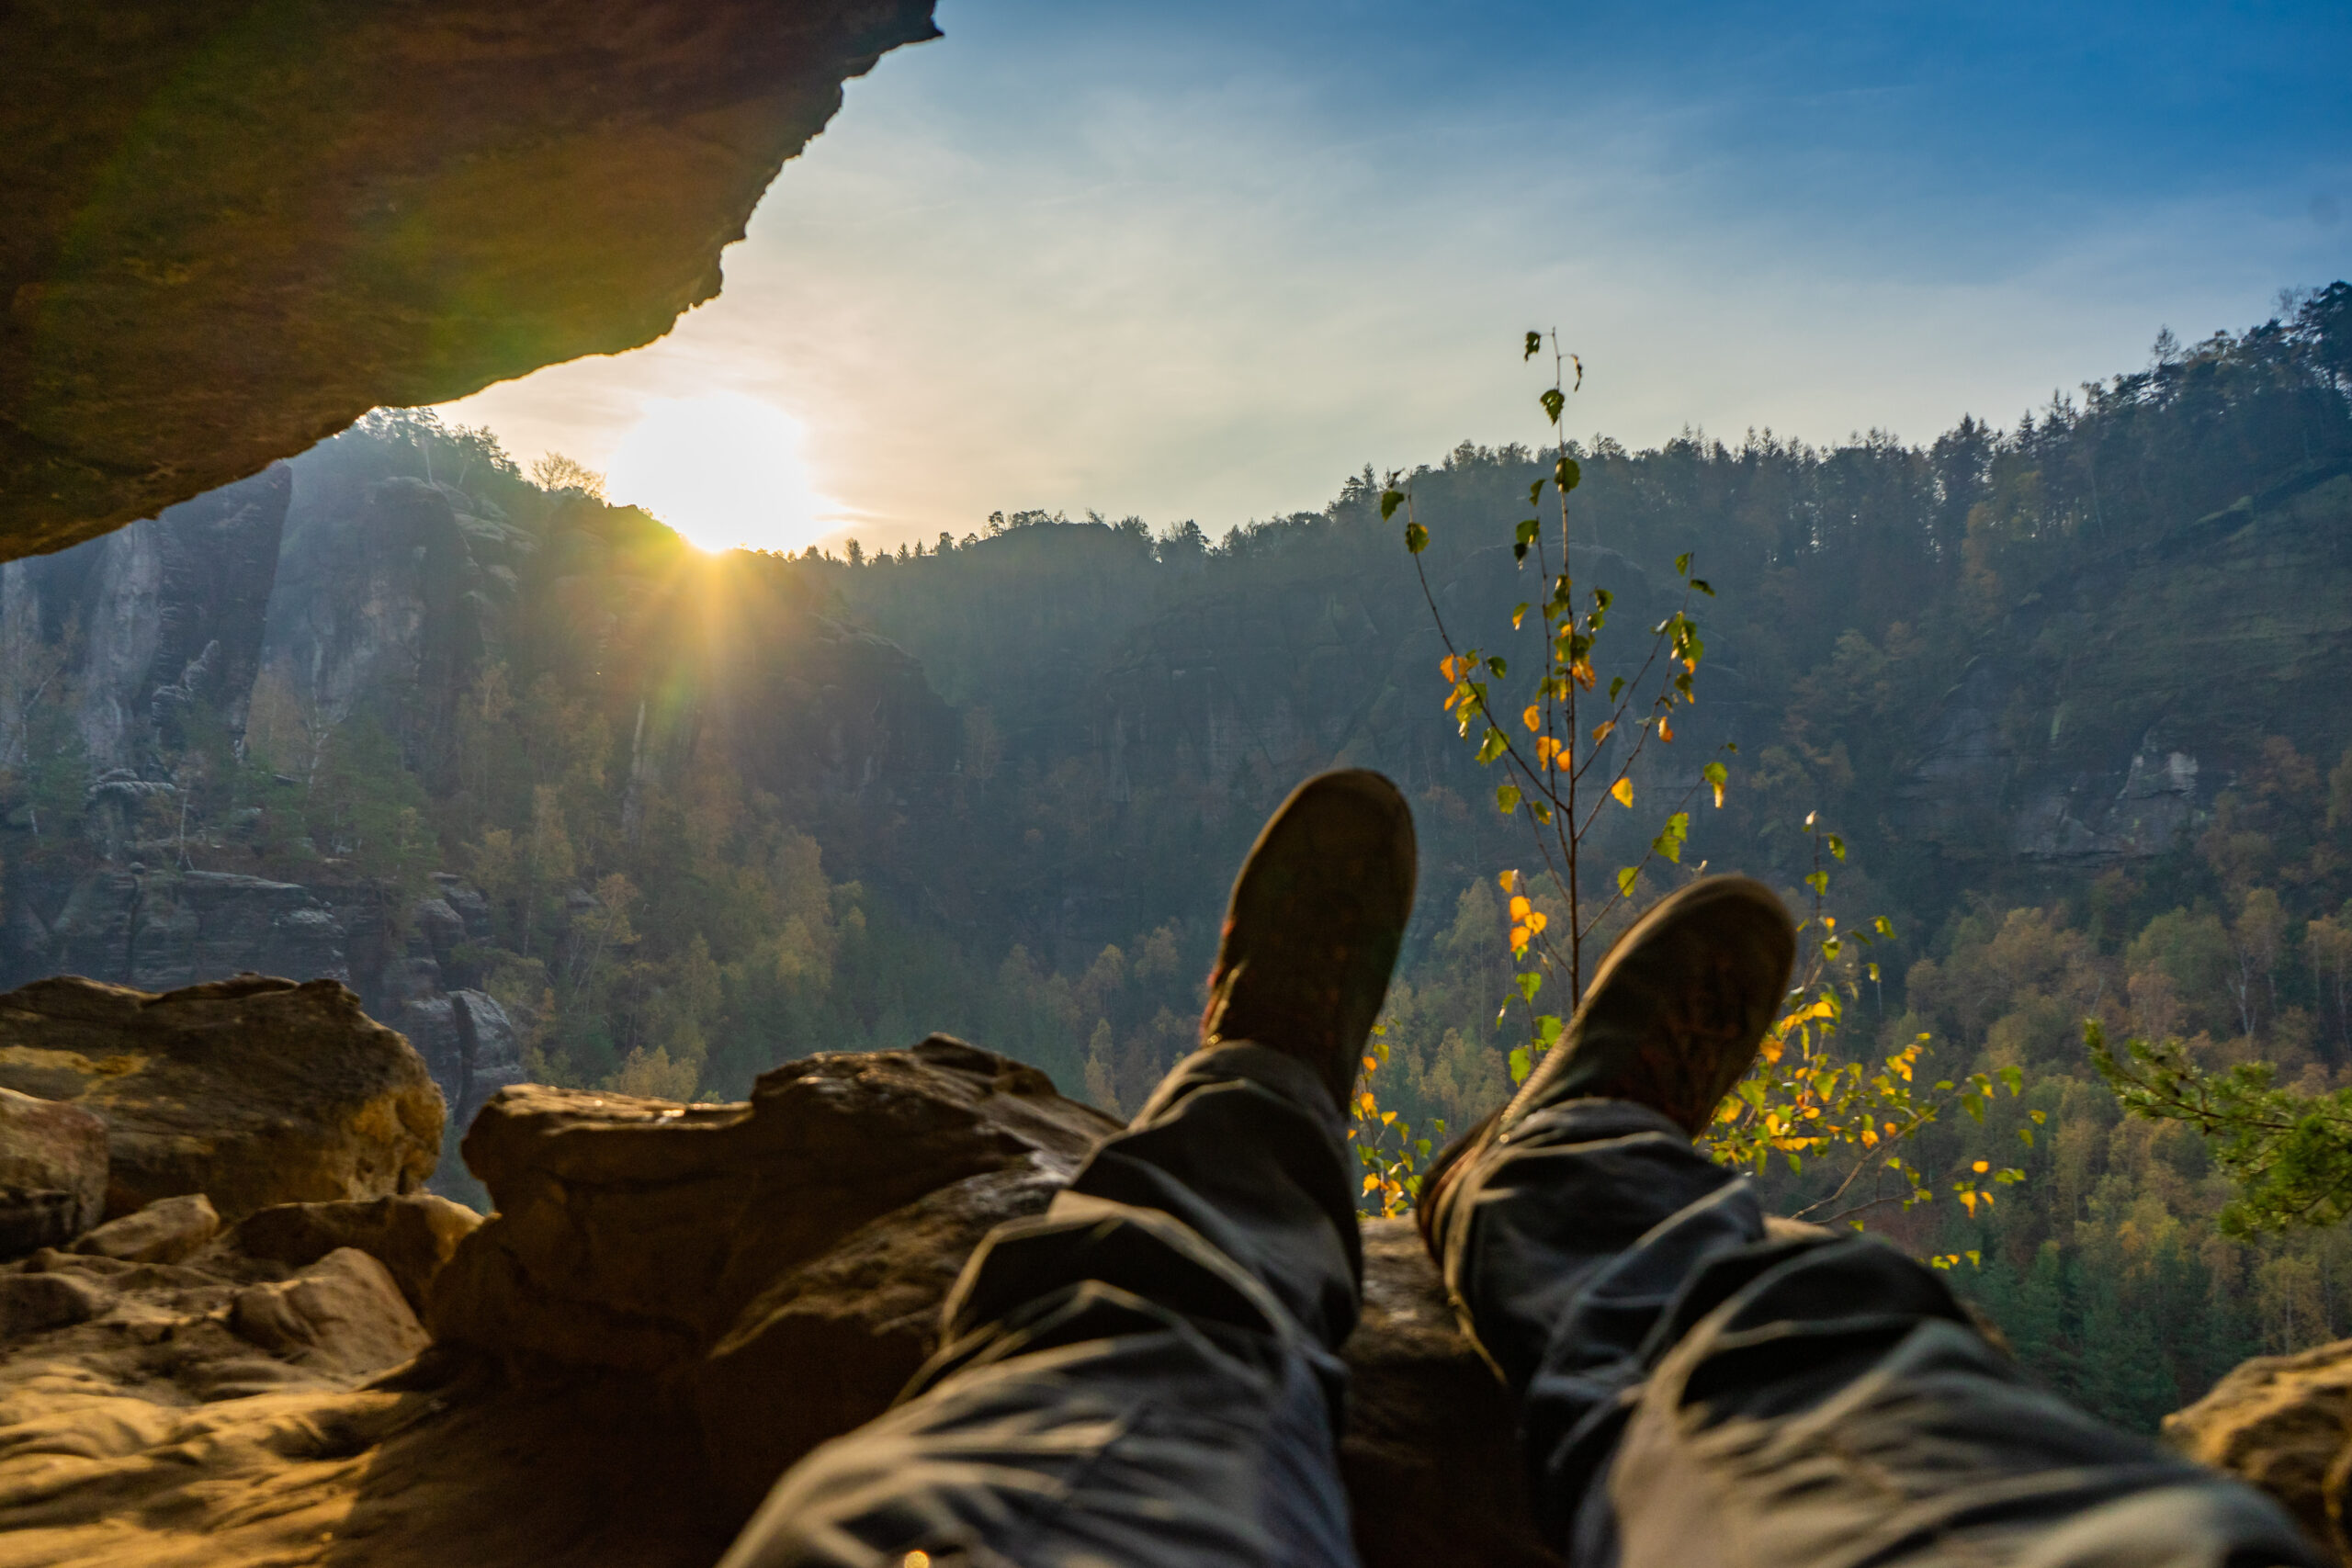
<point>1204,260</point>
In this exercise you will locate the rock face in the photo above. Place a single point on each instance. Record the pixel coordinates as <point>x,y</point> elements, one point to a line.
<point>52,1172</point>
<point>2113,704</point>
<point>256,1091</point>
<point>230,237</point>
<point>156,624</point>
<point>2285,1424</point>
<point>160,929</point>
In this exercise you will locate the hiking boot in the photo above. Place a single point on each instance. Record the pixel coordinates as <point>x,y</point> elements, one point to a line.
<point>1314,924</point>
<point>1672,1021</point>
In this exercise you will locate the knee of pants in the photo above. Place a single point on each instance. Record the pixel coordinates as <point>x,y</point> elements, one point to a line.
<point>1147,1448</point>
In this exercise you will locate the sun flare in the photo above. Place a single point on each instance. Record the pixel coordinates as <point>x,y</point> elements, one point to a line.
<point>723,469</point>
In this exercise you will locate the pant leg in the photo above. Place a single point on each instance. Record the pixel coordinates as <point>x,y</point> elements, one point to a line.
<point>1699,1390</point>
<point>1142,1376</point>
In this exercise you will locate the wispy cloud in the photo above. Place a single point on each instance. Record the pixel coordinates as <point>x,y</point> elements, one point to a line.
<point>1204,267</point>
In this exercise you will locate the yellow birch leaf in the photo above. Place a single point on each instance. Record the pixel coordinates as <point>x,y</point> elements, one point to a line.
<point>1623,790</point>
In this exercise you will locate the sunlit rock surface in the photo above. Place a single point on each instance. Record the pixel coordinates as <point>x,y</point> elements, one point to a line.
<point>256,1091</point>
<point>2285,1424</point>
<point>674,1303</point>
<point>231,230</point>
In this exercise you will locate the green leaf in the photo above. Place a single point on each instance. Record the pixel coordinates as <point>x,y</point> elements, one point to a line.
<point>1524,537</point>
<point>1837,845</point>
<point>1626,877</point>
<point>1565,473</point>
<point>1417,539</point>
<point>1682,563</point>
<point>1498,667</point>
<point>1534,344</point>
<point>1535,493</point>
<point>1554,400</point>
<point>1616,684</point>
<point>1507,798</point>
<point>1701,584</point>
<point>1818,881</point>
<point>1493,746</point>
<point>1547,1029</point>
<point>1522,1061</point>
<point>1530,983</point>
<point>1390,500</point>
<point>1671,838</point>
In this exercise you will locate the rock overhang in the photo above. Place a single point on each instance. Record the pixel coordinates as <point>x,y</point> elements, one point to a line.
<point>235,228</point>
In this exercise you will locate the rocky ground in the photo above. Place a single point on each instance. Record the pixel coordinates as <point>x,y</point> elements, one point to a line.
<point>203,1362</point>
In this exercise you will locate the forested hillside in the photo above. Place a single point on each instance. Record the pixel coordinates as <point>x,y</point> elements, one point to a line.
<point>2070,689</point>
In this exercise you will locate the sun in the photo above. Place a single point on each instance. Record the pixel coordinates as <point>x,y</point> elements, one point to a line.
<point>723,470</point>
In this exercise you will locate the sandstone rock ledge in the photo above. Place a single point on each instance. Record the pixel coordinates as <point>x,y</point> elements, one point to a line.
<point>252,1091</point>
<point>2285,1424</point>
<point>672,1304</point>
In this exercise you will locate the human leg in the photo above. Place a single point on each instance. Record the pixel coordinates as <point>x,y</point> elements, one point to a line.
<point>1145,1373</point>
<point>1142,1374</point>
<point>1699,1385</point>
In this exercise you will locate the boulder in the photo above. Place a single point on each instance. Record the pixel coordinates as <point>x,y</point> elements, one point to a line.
<point>344,1313</point>
<point>35,1303</point>
<point>631,1233</point>
<point>163,1232</point>
<point>2285,1424</point>
<point>783,1260</point>
<point>254,1091</point>
<point>413,1235</point>
<point>52,1172</point>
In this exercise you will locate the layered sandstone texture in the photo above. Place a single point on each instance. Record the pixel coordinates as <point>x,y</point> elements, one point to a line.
<point>2285,1424</point>
<point>672,1304</point>
<point>233,228</point>
<point>254,1091</point>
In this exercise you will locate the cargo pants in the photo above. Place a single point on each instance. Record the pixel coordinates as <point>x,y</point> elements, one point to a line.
<point>1145,1374</point>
